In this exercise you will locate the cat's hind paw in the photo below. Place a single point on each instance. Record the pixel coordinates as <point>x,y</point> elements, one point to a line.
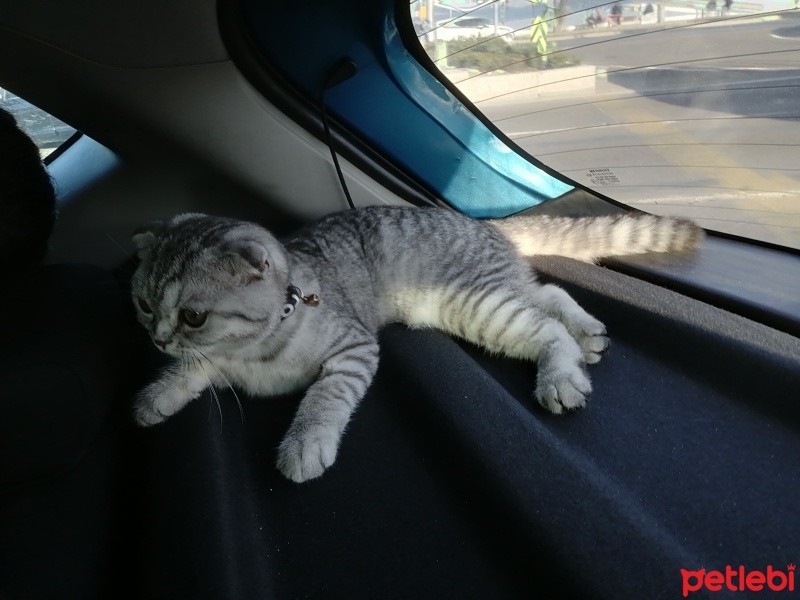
<point>306,455</point>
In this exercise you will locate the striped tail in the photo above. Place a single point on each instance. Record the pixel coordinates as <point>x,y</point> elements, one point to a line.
<point>590,238</point>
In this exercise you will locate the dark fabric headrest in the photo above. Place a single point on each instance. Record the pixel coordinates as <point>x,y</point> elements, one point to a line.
<point>66,348</point>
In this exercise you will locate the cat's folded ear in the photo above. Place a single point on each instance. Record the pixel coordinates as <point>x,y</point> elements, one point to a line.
<point>246,259</point>
<point>147,235</point>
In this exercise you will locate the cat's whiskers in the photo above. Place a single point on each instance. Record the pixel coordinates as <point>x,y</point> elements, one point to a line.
<point>225,379</point>
<point>125,252</point>
<point>127,270</point>
<point>212,389</point>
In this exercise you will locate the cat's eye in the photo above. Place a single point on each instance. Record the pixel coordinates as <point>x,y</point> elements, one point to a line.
<point>144,306</point>
<point>193,318</point>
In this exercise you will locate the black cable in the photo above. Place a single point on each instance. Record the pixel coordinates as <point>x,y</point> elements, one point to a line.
<point>342,71</point>
<point>329,141</point>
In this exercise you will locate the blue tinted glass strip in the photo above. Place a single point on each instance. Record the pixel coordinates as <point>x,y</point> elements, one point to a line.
<point>396,105</point>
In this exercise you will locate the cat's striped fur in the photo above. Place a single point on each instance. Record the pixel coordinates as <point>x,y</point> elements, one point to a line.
<point>212,292</point>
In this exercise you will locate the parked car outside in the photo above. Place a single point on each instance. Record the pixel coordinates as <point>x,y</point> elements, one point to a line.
<point>472,27</point>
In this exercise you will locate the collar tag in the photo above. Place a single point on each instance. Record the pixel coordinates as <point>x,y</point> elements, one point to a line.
<point>293,297</point>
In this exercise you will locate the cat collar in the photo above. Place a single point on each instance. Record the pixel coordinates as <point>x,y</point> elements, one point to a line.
<point>293,296</point>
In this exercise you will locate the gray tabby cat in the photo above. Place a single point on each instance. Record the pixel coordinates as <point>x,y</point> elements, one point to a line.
<point>238,307</point>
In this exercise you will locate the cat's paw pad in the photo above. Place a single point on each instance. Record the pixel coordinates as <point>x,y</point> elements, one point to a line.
<point>563,390</point>
<point>306,456</point>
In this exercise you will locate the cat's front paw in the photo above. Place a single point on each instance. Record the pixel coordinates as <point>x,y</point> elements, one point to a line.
<point>305,455</point>
<point>147,415</point>
<point>563,388</point>
<point>155,403</point>
<point>147,410</point>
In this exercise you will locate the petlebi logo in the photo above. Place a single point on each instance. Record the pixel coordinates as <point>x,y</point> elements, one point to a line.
<point>739,579</point>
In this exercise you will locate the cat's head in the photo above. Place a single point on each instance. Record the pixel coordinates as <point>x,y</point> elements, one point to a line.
<point>208,283</point>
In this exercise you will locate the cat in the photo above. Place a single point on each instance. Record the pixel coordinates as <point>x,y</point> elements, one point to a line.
<point>238,307</point>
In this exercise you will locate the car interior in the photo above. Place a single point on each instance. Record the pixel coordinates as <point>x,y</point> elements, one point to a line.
<point>451,481</point>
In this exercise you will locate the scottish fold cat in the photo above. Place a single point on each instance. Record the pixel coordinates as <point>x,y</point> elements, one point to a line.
<point>235,306</point>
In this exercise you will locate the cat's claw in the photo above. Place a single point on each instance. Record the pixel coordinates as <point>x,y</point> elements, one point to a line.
<point>306,456</point>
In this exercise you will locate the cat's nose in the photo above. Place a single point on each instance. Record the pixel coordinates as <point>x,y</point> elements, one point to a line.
<point>161,343</point>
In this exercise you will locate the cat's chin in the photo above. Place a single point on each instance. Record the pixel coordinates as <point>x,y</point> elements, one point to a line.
<point>176,353</point>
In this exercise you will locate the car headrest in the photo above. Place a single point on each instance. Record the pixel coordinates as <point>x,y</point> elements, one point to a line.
<point>67,354</point>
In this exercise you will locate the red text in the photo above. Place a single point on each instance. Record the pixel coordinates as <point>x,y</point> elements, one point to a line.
<point>738,580</point>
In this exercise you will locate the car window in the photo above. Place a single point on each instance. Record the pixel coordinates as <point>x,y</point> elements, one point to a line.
<point>679,108</point>
<point>47,132</point>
